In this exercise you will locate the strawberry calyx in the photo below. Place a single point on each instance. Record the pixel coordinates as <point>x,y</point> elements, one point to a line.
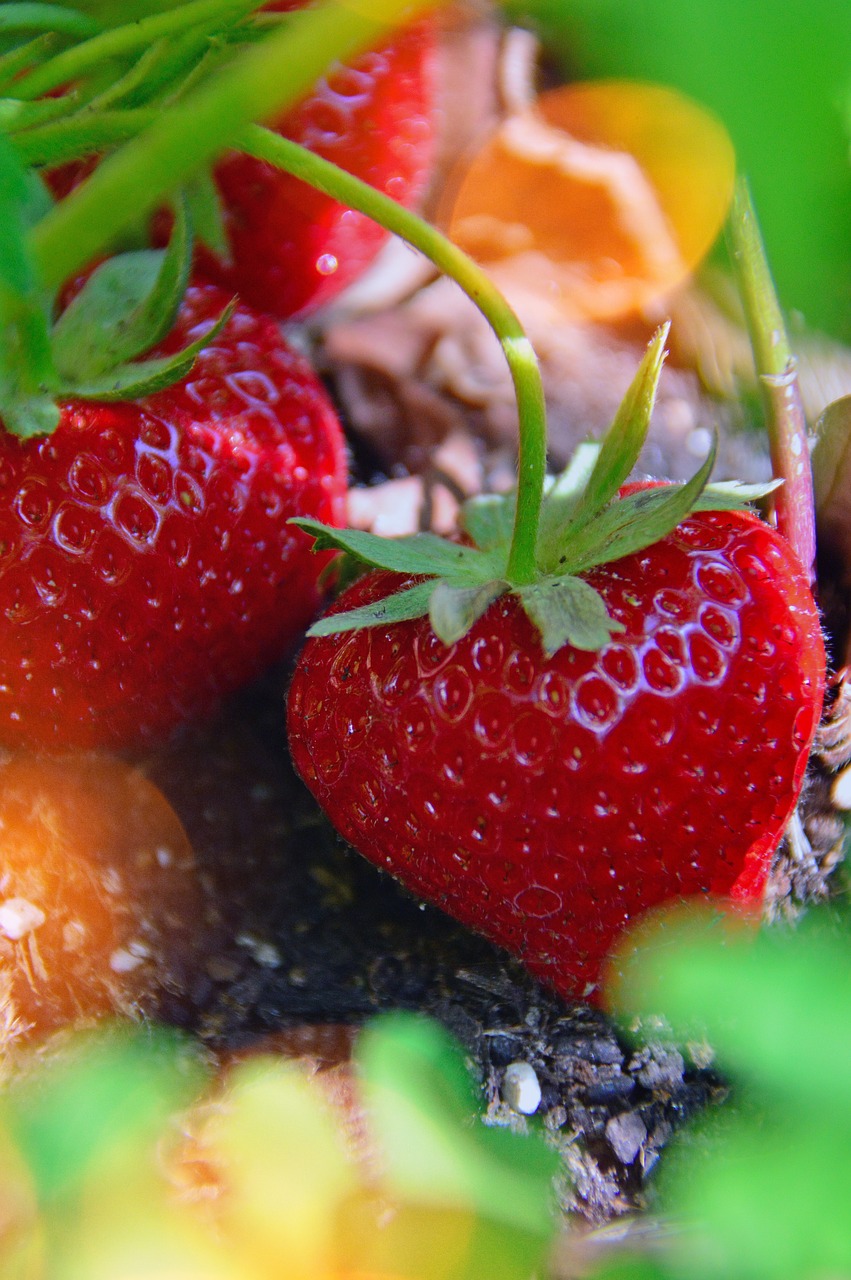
<point>584,521</point>
<point>91,350</point>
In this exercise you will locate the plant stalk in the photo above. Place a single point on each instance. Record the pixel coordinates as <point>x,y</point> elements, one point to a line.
<point>776,369</point>
<point>263,144</point>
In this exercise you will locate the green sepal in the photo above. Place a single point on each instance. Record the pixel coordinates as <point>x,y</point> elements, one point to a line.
<point>416,553</point>
<point>144,377</point>
<point>454,610</point>
<point>567,610</point>
<point>733,495</point>
<point>489,519</point>
<point>402,606</point>
<point>22,57</point>
<point>564,512</point>
<point>207,213</point>
<point>16,114</point>
<point>635,522</point>
<point>49,18</point>
<point>126,306</point>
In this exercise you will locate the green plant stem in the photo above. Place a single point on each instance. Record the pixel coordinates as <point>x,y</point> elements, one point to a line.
<point>265,78</point>
<point>119,41</point>
<point>522,362</point>
<point>777,371</point>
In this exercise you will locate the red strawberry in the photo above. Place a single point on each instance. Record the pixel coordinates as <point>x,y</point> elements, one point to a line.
<point>294,249</point>
<point>547,782</point>
<point>146,563</point>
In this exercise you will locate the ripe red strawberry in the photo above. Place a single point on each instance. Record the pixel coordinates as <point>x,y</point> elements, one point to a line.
<point>549,801</point>
<point>294,249</point>
<point>146,563</point>
<point>542,779</point>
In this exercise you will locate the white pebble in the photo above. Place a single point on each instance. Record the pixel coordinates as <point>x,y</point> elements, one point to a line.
<point>18,917</point>
<point>521,1088</point>
<point>122,961</point>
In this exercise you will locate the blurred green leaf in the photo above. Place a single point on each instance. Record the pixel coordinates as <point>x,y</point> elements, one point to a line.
<point>110,1093</point>
<point>764,1197</point>
<point>775,1005</point>
<point>424,1111</point>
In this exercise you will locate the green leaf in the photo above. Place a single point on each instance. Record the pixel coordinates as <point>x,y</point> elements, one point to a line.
<point>567,610</point>
<point>760,1197</point>
<point>126,306</point>
<point>637,521</point>
<point>787,1033</point>
<point>424,1109</point>
<point>420,553</point>
<point>116,1091</point>
<point>619,450</point>
<point>48,18</point>
<point>144,377</point>
<point>402,606</point>
<point>453,610</point>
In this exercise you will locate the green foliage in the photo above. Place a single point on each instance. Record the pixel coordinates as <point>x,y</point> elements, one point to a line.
<point>95,1128</point>
<point>779,78</point>
<point>759,1191</point>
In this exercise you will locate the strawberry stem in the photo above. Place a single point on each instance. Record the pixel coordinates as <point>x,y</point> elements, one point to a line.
<point>519,354</point>
<point>777,371</point>
<point>267,77</point>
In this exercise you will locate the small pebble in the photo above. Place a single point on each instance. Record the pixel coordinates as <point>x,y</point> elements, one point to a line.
<point>625,1134</point>
<point>521,1088</point>
<point>18,917</point>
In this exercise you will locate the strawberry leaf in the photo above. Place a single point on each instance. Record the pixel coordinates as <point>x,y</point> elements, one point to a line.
<point>402,606</point>
<point>144,377</point>
<point>567,610</point>
<point>453,610</point>
<point>417,553</point>
<point>126,306</point>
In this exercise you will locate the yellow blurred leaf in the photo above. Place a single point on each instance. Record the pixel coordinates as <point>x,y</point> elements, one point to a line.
<point>285,1171</point>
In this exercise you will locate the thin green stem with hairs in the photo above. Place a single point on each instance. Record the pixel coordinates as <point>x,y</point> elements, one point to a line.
<point>776,369</point>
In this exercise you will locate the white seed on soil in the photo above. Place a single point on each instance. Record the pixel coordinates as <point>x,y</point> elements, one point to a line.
<point>18,917</point>
<point>521,1088</point>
